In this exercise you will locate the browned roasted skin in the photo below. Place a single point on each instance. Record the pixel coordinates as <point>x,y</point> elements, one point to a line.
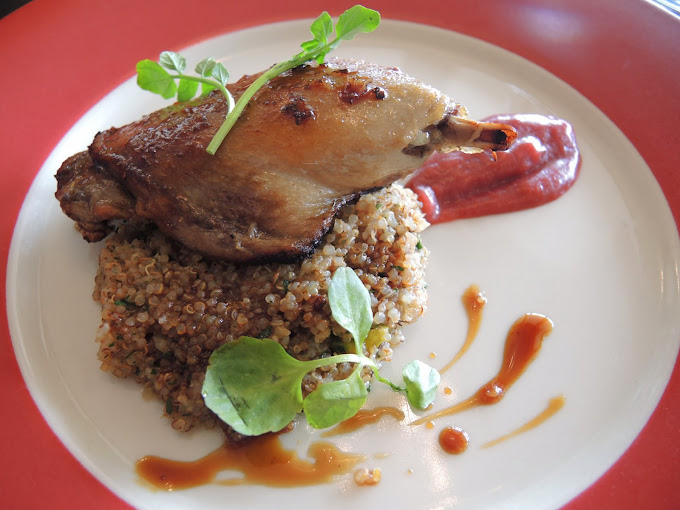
<point>311,140</point>
<point>92,197</point>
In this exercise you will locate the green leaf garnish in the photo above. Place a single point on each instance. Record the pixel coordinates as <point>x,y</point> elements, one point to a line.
<point>212,74</point>
<point>421,383</point>
<point>123,302</point>
<point>152,77</point>
<point>356,20</point>
<point>336,401</point>
<point>353,21</point>
<point>321,29</point>
<point>350,304</point>
<point>220,73</point>
<point>186,89</point>
<point>255,386</point>
<point>205,67</point>
<point>173,61</point>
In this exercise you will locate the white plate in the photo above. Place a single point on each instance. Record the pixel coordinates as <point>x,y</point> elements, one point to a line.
<point>601,262</point>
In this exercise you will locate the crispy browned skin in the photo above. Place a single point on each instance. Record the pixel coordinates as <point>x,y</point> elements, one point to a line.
<point>89,195</point>
<point>310,141</point>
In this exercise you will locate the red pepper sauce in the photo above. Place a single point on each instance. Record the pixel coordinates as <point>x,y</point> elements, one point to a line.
<point>541,165</point>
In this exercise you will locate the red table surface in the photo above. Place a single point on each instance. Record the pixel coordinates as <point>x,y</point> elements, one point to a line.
<point>59,57</point>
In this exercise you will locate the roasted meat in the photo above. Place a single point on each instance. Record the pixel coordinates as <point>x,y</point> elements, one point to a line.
<point>311,140</point>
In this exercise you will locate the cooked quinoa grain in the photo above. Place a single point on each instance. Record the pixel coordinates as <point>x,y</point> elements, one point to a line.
<point>166,309</point>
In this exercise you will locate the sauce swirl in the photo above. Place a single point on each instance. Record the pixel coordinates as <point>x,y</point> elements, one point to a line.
<point>363,418</point>
<point>473,301</point>
<point>522,344</point>
<point>262,460</point>
<point>553,406</point>
<point>540,166</point>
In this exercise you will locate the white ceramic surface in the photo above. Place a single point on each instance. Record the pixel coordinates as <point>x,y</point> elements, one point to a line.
<point>601,262</point>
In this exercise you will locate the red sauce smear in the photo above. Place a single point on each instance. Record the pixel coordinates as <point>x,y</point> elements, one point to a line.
<point>473,301</point>
<point>453,440</point>
<point>362,418</point>
<point>522,344</point>
<point>262,460</point>
<point>540,166</point>
<point>553,406</point>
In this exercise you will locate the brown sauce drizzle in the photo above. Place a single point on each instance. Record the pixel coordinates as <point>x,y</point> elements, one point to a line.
<point>262,461</point>
<point>453,440</point>
<point>362,418</point>
<point>554,405</point>
<point>473,301</point>
<point>521,347</point>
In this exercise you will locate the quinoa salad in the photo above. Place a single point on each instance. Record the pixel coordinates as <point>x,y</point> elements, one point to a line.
<point>165,309</point>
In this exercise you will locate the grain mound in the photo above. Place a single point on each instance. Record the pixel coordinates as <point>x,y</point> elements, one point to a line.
<point>165,309</point>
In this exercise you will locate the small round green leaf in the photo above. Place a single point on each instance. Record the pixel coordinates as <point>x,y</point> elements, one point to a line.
<point>152,77</point>
<point>356,20</point>
<point>350,303</point>
<point>205,67</point>
<point>254,385</point>
<point>173,61</point>
<point>220,73</point>
<point>322,27</point>
<point>186,89</point>
<point>335,401</point>
<point>421,382</point>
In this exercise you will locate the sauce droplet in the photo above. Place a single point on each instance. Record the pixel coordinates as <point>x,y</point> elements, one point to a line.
<point>473,301</point>
<point>453,440</point>
<point>522,344</point>
<point>262,460</point>
<point>362,418</point>
<point>554,405</point>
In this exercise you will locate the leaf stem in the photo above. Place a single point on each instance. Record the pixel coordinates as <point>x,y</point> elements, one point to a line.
<point>353,358</point>
<point>272,72</point>
<point>341,358</point>
<point>212,83</point>
<point>387,381</point>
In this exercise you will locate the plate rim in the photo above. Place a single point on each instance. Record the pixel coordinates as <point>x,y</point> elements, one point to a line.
<point>469,23</point>
<point>13,255</point>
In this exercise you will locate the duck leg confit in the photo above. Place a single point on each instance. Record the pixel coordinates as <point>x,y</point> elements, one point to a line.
<point>311,140</point>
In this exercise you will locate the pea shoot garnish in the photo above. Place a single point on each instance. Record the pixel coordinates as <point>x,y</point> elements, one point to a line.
<point>167,78</point>
<point>255,386</point>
